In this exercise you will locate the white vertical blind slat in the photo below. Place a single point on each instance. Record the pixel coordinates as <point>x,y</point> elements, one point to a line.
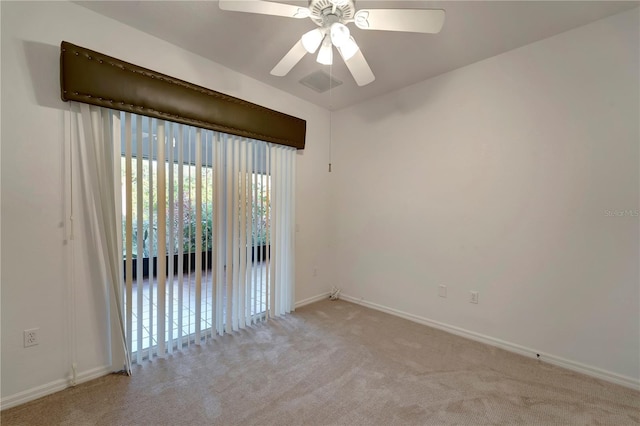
<point>278,194</point>
<point>273,230</point>
<point>280,272</point>
<point>218,232</point>
<point>254,231</point>
<point>281,233</point>
<point>267,230</point>
<point>205,233</point>
<point>129,231</point>
<point>229,232</point>
<point>235,236</point>
<point>284,232</point>
<point>162,240</point>
<point>291,255</point>
<point>152,251</point>
<point>171,237</point>
<point>190,232</point>
<point>198,242</point>
<point>262,250</point>
<point>140,241</point>
<point>242,223</point>
<point>214,233</point>
<point>111,123</point>
<point>249,215</point>
<point>180,231</point>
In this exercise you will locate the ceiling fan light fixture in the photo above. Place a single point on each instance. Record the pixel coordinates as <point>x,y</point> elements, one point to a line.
<point>325,56</point>
<point>348,49</point>
<point>362,19</point>
<point>302,13</point>
<point>339,34</point>
<point>311,40</point>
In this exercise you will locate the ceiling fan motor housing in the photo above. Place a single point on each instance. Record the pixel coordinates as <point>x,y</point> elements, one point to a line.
<point>323,14</point>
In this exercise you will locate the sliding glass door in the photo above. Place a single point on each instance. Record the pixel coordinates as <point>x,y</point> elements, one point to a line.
<point>207,228</point>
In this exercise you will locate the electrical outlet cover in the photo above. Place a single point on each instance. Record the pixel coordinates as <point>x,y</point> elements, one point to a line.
<point>31,337</point>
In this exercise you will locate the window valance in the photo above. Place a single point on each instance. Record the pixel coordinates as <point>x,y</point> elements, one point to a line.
<point>94,78</point>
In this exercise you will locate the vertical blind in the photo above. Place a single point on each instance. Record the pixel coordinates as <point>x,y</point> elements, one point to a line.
<point>208,233</point>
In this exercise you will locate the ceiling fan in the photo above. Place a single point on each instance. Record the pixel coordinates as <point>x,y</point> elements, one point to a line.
<point>332,17</point>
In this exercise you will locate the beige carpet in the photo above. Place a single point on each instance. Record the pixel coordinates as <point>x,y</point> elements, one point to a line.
<point>338,363</point>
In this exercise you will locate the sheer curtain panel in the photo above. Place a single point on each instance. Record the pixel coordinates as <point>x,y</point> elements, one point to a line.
<point>95,130</point>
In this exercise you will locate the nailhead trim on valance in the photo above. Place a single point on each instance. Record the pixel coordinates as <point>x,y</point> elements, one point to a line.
<point>93,78</point>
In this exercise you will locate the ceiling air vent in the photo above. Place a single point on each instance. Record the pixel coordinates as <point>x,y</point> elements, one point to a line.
<point>320,81</point>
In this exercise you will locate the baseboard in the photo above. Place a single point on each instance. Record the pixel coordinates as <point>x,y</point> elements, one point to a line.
<point>52,387</point>
<point>61,384</point>
<point>511,347</point>
<point>310,300</point>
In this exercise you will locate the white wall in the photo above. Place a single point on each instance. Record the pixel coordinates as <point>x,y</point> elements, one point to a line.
<point>35,254</point>
<point>497,177</point>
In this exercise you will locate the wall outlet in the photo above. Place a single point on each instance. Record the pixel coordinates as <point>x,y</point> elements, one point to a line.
<point>474,297</point>
<point>31,337</point>
<point>442,290</point>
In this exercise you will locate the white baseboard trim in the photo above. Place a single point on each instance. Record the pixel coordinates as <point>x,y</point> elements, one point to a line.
<point>61,384</point>
<point>310,300</point>
<point>52,387</point>
<point>511,347</point>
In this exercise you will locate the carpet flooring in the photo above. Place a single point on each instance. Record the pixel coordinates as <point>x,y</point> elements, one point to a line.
<point>337,363</point>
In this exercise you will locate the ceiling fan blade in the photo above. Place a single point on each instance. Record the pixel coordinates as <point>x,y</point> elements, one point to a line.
<point>409,20</point>
<point>359,68</point>
<point>265,8</point>
<point>289,60</point>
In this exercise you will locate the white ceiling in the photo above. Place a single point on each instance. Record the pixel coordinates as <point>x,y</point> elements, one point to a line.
<point>252,44</point>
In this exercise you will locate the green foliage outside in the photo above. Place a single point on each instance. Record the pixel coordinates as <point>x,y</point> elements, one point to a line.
<point>187,238</point>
